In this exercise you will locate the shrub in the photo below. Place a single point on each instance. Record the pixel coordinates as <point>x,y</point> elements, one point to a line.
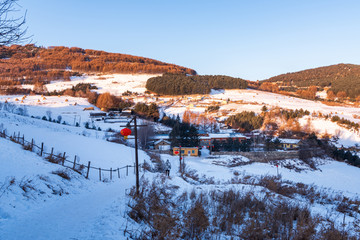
<point>213,108</point>
<point>196,220</point>
<point>26,185</point>
<point>62,173</point>
<point>27,147</point>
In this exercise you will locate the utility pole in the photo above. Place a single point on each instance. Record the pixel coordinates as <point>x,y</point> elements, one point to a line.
<point>136,151</point>
<point>136,157</point>
<point>180,159</point>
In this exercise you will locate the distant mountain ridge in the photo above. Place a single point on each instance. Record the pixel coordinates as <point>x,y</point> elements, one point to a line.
<point>339,77</point>
<point>31,63</point>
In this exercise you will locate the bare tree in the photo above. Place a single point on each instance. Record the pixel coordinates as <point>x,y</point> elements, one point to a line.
<point>11,24</point>
<point>145,133</point>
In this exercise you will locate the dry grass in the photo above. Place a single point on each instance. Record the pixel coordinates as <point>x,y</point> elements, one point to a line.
<point>235,214</point>
<point>62,173</point>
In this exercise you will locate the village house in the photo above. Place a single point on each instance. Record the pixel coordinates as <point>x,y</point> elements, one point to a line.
<point>162,145</point>
<point>289,144</point>
<point>161,137</point>
<point>205,141</point>
<point>186,151</point>
<point>222,137</point>
<point>208,139</point>
<point>98,115</point>
<point>126,112</point>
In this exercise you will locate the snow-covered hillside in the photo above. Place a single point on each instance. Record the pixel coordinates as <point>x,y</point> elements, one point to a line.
<point>37,202</point>
<point>116,84</point>
<point>57,208</point>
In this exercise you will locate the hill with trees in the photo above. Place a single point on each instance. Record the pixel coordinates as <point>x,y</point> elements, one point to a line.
<point>339,78</point>
<point>182,84</point>
<point>30,64</point>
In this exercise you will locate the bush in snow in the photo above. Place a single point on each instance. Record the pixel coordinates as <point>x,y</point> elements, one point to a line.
<point>62,173</point>
<point>26,185</point>
<point>22,111</point>
<point>59,119</point>
<point>48,114</point>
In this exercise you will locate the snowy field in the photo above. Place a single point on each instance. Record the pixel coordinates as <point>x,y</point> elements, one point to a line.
<point>346,137</point>
<point>282,101</point>
<point>254,100</point>
<point>115,84</point>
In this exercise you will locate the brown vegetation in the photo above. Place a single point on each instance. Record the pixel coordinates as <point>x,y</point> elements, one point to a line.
<point>30,64</point>
<point>340,77</point>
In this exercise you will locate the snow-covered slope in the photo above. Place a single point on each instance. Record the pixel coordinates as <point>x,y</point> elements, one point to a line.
<point>115,84</point>
<point>56,208</point>
<point>35,203</point>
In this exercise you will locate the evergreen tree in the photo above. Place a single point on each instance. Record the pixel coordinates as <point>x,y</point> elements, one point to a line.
<point>216,146</point>
<point>184,134</point>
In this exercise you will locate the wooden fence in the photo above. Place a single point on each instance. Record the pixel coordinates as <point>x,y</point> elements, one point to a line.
<point>61,158</point>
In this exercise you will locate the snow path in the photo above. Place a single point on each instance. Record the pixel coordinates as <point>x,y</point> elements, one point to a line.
<point>81,216</point>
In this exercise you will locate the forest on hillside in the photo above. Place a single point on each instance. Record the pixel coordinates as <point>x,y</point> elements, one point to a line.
<point>340,77</point>
<point>182,84</point>
<point>30,64</point>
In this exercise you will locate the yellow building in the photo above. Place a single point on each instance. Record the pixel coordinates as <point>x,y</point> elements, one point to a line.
<point>289,144</point>
<point>186,151</point>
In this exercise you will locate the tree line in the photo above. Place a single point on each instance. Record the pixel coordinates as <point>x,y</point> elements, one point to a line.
<point>182,84</point>
<point>147,111</point>
<point>245,121</point>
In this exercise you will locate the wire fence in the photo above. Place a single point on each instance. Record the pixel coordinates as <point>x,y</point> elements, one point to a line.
<point>62,158</point>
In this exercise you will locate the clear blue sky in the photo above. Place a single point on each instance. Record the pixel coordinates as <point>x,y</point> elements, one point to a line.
<point>253,39</point>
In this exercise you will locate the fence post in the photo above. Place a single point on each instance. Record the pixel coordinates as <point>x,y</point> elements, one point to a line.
<point>88,170</point>
<point>74,162</point>
<point>63,159</point>
<point>18,137</point>
<point>118,170</point>
<point>110,173</point>
<point>32,144</point>
<point>42,149</point>
<point>100,174</point>
<point>23,140</point>
<point>127,170</point>
<point>51,154</point>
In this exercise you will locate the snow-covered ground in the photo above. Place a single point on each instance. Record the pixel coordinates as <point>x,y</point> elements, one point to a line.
<point>35,203</point>
<point>346,137</point>
<point>89,209</point>
<point>87,145</point>
<point>115,84</point>
<point>273,100</point>
<point>331,174</point>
